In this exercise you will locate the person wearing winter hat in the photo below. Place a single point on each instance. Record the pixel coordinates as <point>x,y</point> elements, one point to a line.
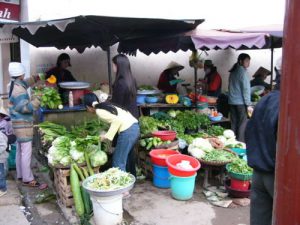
<point>261,152</point>
<point>167,81</point>
<point>21,109</point>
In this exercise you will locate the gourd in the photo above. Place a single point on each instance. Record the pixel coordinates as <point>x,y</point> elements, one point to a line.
<point>52,79</point>
<point>172,99</point>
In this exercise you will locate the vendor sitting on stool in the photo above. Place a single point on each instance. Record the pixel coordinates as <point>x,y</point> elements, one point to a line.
<point>167,81</point>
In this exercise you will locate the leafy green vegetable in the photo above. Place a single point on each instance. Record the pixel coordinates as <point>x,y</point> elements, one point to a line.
<point>50,97</point>
<point>239,166</point>
<point>215,130</point>
<point>98,158</point>
<point>218,156</point>
<point>146,88</point>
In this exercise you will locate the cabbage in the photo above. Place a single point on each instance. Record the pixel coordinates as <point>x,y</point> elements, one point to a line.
<point>203,144</point>
<point>61,142</point>
<point>98,158</point>
<point>172,113</point>
<point>222,139</point>
<point>196,152</point>
<point>229,134</point>
<point>76,154</point>
<point>66,160</point>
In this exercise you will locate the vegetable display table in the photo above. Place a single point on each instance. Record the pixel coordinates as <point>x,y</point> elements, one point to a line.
<point>149,109</point>
<point>68,116</point>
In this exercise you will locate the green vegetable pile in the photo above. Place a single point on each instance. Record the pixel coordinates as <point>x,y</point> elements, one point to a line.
<point>51,131</point>
<point>112,179</point>
<point>215,131</point>
<point>239,166</point>
<point>50,97</point>
<point>219,156</point>
<point>146,88</point>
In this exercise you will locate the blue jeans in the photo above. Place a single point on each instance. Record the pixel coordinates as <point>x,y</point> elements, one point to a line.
<point>2,177</point>
<point>125,144</point>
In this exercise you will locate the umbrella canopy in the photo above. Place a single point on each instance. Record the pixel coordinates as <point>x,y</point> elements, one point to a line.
<point>192,40</point>
<point>86,31</point>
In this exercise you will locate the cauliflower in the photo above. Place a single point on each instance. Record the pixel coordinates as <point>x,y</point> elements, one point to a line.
<point>229,134</point>
<point>196,152</point>
<point>203,144</point>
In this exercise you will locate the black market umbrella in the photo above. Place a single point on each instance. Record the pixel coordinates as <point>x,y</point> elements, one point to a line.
<point>85,31</point>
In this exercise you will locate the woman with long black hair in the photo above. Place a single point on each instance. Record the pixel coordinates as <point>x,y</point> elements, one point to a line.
<point>121,122</point>
<point>125,87</point>
<point>239,96</point>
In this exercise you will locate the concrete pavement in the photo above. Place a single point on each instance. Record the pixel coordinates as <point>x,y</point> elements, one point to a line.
<point>11,210</point>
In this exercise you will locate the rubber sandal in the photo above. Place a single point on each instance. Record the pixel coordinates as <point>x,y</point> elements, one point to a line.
<point>43,186</point>
<point>32,183</point>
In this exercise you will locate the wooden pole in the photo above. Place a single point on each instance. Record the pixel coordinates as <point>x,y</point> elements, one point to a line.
<point>287,176</point>
<point>109,70</point>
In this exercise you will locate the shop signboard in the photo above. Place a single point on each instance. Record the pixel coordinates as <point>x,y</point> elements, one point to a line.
<point>9,10</point>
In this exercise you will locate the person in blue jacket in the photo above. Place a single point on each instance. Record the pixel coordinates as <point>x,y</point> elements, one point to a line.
<point>239,93</point>
<point>261,138</point>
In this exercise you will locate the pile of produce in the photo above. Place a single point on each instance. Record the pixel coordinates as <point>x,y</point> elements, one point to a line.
<point>152,142</point>
<point>219,156</point>
<point>229,140</point>
<point>50,97</point>
<point>146,88</point>
<point>64,151</point>
<point>51,131</point>
<point>110,180</point>
<point>239,166</point>
<point>200,147</point>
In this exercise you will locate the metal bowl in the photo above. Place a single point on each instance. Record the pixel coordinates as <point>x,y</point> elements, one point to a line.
<point>74,85</point>
<point>102,193</point>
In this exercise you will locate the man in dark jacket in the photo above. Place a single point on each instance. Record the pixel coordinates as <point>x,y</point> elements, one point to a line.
<point>261,138</point>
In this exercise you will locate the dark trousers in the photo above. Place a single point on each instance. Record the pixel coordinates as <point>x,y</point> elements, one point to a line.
<point>238,116</point>
<point>262,191</point>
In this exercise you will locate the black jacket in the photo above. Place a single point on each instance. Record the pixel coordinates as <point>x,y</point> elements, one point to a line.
<point>261,133</point>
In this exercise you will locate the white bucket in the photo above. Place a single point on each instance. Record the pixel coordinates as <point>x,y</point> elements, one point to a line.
<point>107,210</point>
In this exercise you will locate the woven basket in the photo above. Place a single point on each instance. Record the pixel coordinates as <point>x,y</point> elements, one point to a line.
<point>218,163</point>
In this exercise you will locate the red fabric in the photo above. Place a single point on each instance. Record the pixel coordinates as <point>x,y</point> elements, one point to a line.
<point>215,83</point>
<point>164,85</point>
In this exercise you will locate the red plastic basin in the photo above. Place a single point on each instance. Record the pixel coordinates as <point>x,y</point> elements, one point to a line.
<point>165,135</point>
<point>180,172</point>
<point>236,193</point>
<point>241,185</point>
<point>158,156</point>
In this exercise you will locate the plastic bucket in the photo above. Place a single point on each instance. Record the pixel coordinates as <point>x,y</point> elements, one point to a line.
<point>107,210</point>
<point>161,176</point>
<point>176,171</point>
<point>140,99</point>
<point>241,185</point>
<point>158,156</point>
<point>182,188</point>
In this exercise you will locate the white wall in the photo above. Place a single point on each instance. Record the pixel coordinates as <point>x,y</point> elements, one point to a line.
<point>92,64</point>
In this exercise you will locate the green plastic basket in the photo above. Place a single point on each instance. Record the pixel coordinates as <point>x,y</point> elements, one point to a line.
<point>239,176</point>
<point>11,160</point>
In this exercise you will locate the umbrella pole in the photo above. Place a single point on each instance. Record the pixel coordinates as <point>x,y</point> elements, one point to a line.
<point>109,69</point>
<point>272,56</point>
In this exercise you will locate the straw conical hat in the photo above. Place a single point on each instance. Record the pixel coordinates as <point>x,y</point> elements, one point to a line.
<point>174,65</point>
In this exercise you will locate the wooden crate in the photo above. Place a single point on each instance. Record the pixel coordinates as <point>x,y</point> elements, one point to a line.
<point>63,186</point>
<point>144,162</point>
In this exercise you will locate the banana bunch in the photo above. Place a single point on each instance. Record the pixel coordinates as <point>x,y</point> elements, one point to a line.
<point>195,60</point>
